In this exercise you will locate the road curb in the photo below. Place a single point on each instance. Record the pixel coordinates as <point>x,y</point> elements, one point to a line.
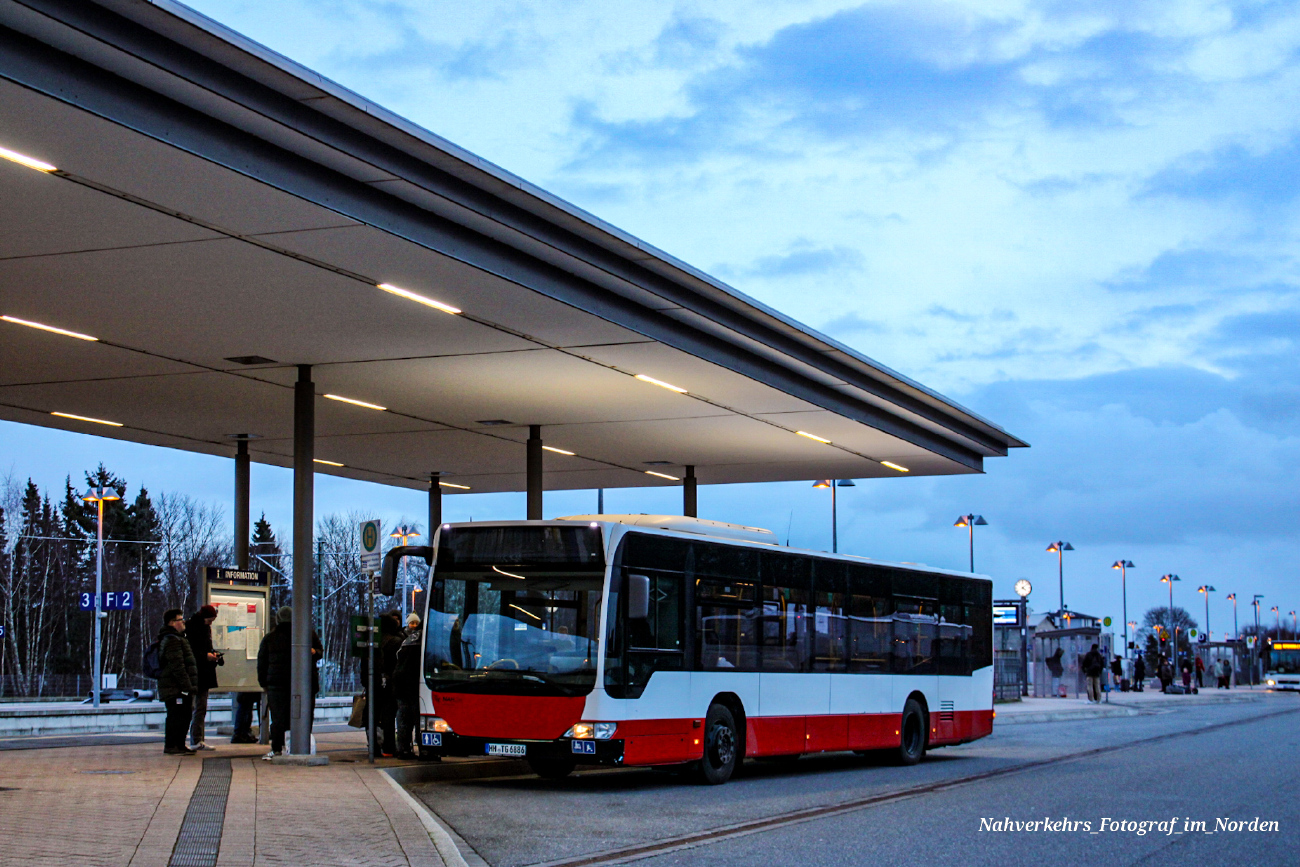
<point>1063,715</point>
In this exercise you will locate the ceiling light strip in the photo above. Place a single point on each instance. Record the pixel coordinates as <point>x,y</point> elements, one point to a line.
<point>24,160</point>
<point>894,466</point>
<point>452,485</point>
<point>418,298</point>
<point>77,334</point>
<point>87,418</point>
<point>558,451</point>
<point>662,475</point>
<point>355,402</point>
<point>812,436</point>
<point>661,383</point>
<point>325,462</point>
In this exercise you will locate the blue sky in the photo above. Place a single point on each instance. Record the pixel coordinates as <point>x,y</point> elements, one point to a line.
<point>1077,218</point>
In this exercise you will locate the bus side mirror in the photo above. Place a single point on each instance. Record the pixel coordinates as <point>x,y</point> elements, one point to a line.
<point>638,597</point>
<point>388,575</point>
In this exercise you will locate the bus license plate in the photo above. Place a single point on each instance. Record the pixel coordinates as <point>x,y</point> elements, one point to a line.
<point>506,749</point>
<point>430,739</point>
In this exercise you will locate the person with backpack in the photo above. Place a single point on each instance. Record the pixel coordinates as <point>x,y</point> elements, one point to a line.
<point>198,631</point>
<point>1165,671</point>
<point>1093,666</point>
<point>1139,673</point>
<point>178,681</point>
<point>1117,672</point>
<point>406,687</point>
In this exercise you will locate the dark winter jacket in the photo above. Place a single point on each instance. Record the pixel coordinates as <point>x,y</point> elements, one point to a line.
<point>390,640</point>
<point>1117,667</point>
<point>275,660</point>
<point>178,673</point>
<point>1093,664</point>
<point>1140,669</point>
<point>1054,664</point>
<point>199,634</point>
<point>406,672</point>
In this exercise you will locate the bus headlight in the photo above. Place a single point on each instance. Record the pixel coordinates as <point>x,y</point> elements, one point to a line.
<point>434,724</point>
<point>1272,683</point>
<point>592,731</point>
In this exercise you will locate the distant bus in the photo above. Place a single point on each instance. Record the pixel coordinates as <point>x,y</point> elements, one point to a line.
<point>1282,671</point>
<point>595,641</point>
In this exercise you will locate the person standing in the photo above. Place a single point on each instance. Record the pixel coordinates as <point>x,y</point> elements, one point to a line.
<point>1139,672</point>
<point>406,687</point>
<point>178,681</point>
<point>1093,666</point>
<point>381,691</point>
<point>1186,668</point>
<point>275,676</point>
<point>1200,673</point>
<point>1117,672</point>
<point>1165,671</point>
<point>198,630</point>
<point>1055,669</point>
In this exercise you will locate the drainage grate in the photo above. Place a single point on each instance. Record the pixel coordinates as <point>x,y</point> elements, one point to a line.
<point>200,836</point>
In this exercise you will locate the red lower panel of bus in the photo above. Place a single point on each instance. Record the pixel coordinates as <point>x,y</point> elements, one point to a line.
<point>509,716</point>
<point>662,742</point>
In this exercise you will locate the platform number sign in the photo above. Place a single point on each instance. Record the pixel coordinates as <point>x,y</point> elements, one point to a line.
<point>370,553</point>
<point>121,600</point>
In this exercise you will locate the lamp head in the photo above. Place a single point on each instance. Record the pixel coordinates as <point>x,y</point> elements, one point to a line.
<point>1232,596</point>
<point>847,483</point>
<point>980,522</point>
<point>822,483</point>
<point>95,495</point>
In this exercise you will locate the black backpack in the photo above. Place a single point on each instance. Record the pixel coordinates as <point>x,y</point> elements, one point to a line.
<point>151,665</point>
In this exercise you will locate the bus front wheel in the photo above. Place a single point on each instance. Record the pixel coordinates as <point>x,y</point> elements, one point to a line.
<point>912,733</point>
<point>721,746</point>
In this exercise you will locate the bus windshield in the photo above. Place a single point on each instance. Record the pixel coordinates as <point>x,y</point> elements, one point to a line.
<point>1284,657</point>
<point>515,610</point>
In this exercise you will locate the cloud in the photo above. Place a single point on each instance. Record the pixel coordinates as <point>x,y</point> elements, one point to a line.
<point>1189,268</point>
<point>802,259</point>
<point>1234,173</point>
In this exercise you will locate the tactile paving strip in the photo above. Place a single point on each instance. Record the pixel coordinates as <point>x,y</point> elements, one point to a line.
<point>200,836</point>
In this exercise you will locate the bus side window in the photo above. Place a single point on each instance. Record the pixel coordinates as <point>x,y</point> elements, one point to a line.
<point>830,623</point>
<point>726,625</point>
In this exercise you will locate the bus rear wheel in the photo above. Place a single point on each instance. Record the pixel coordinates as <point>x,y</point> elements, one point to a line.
<point>552,768</point>
<point>721,746</point>
<point>912,733</point>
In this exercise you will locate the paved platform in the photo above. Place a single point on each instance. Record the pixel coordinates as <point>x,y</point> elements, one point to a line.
<point>19,719</point>
<point>125,804</point>
<point>1036,710</point>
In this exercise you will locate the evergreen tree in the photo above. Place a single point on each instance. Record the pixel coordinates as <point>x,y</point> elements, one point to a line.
<point>144,525</point>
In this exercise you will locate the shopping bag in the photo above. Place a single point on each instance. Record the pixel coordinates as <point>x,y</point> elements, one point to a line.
<point>358,718</point>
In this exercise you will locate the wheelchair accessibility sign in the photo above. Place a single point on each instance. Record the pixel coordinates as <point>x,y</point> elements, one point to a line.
<point>584,747</point>
<point>430,739</point>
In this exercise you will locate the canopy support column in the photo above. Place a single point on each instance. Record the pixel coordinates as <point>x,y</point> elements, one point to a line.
<point>241,502</point>
<point>690,505</point>
<point>534,472</point>
<point>302,702</point>
<point>435,505</point>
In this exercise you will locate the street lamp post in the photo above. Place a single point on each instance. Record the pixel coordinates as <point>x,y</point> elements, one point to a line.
<point>1207,590</point>
<point>1059,549</point>
<point>402,534</point>
<point>1123,566</point>
<point>99,496</point>
<point>1277,621</point>
<point>1236,637</point>
<point>1292,613</point>
<point>1173,632</point>
<point>835,522</point>
<point>970,522</point>
<point>1254,656</point>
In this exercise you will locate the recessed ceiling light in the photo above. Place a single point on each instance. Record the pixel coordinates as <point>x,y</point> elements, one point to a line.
<point>355,402</point>
<point>16,321</point>
<point>557,451</point>
<point>494,422</point>
<point>451,485</point>
<point>658,463</point>
<point>326,463</point>
<point>894,466</point>
<point>250,359</point>
<point>804,433</point>
<point>662,476</point>
<point>417,298</point>
<point>87,418</point>
<point>24,160</point>
<point>661,383</point>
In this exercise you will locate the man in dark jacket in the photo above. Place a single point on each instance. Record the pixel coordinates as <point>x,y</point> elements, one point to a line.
<point>275,675</point>
<point>1093,666</point>
<point>390,639</point>
<point>199,632</point>
<point>406,686</point>
<point>1139,673</point>
<point>178,681</point>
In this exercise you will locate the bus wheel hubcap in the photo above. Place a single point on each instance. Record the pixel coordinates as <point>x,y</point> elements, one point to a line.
<point>723,746</point>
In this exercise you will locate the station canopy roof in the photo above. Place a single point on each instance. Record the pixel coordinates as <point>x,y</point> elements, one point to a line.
<point>215,215</point>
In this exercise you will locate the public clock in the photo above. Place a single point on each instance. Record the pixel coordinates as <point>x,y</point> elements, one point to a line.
<point>1023,587</point>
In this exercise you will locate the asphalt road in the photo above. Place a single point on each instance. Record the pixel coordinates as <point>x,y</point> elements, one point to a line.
<point>1231,761</point>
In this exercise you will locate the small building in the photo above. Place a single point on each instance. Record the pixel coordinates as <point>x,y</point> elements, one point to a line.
<point>1075,633</point>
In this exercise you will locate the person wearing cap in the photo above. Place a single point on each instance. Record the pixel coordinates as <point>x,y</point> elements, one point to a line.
<point>198,630</point>
<point>275,676</point>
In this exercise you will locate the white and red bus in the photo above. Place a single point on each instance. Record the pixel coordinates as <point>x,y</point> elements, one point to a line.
<point>669,641</point>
